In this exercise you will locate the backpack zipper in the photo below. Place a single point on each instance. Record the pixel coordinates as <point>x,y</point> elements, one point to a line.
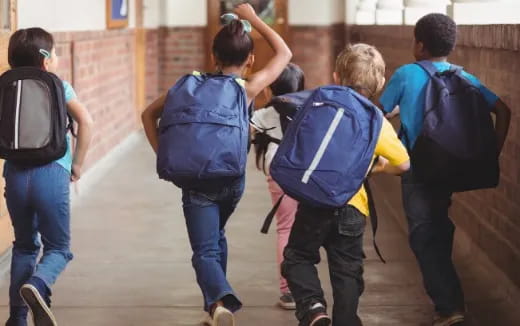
<point>324,143</point>
<point>17,114</point>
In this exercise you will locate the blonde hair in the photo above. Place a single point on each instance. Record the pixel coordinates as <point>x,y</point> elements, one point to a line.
<point>361,67</point>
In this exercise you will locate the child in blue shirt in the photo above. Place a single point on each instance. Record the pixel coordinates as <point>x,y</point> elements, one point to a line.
<point>431,229</point>
<point>37,198</point>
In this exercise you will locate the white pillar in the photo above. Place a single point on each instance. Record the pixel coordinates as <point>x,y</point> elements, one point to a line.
<point>415,9</point>
<point>366,12</point>
<point>482,12</point>
<point>389,12</point>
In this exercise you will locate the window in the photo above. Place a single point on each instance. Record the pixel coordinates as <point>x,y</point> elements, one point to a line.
<point>5,14</point>
<point>265,9</point>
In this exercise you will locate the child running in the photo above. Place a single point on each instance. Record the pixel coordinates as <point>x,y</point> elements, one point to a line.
<point>207,211</point>
<point>431,230</point>
<point>340,231</point>
<point>38,197</point>
<point>267,120</point>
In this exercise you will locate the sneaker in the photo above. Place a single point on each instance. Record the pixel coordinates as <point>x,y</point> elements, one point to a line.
<point>318,315</point>
<point>287,301</point>
<point>456,318</point>
<point>223,317</point>
<point>37,296</point>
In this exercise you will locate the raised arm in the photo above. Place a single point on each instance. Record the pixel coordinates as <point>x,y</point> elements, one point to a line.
<point>282,54</point>
<point>150,117</point>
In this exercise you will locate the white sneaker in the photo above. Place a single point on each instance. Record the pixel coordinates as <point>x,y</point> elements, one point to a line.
<point>223,317</point>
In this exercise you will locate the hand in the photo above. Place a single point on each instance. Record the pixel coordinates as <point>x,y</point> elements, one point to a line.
<point>75,173</point>
<point>380,165</point>
<point>245,11</point>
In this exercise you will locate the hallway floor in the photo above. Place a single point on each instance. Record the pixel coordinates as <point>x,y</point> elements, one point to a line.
<point>132,262</point>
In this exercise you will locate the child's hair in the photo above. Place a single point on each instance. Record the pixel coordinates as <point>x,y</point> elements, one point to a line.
<point>25,45</point>
<point>232,45</point>
<point>438,34</point>
<point>361,67</point>
<point>291,80</point>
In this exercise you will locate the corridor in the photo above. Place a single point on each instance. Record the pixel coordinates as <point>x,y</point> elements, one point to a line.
<point>132,260</point>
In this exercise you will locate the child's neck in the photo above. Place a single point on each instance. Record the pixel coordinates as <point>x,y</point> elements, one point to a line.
<point>437,59</point>
<point>232,71</point>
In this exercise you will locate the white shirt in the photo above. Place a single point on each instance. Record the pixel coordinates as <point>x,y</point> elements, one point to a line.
<point>268,118</point>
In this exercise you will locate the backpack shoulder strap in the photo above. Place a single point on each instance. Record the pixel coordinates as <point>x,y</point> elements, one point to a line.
<point>269,218</point>
<point>428,67</point>
<point>373,218</point>
<point>457,70</point>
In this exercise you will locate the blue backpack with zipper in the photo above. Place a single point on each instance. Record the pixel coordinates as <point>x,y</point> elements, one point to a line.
<point>204,132</point>
<point>328,148</point>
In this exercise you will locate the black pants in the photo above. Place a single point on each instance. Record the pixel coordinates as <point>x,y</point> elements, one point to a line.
<point>340,232</point>
<point>431,239</point>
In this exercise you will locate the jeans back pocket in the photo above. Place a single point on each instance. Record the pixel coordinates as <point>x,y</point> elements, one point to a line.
<point>351,222</point>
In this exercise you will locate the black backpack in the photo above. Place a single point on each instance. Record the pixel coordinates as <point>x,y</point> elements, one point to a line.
<point>457,147</point>
<point>33,117</point>
<point>286,106</point>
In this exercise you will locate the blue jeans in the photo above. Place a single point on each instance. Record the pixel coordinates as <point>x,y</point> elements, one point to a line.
<point>38,203</point>
<point>206,214</point>
<point>340,232</point>
<point>431,234</point>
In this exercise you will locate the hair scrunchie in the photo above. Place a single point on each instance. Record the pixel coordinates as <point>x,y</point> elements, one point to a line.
<point>226,19</point>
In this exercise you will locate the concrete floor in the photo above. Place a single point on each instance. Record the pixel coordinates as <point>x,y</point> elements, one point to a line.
<point>132,261</point>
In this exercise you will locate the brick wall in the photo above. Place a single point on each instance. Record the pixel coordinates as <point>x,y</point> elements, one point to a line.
<point>315,49</point>
<point>181,50</point>
<point>152,65</point>
<point>490,217</point>
<point>100,65</point>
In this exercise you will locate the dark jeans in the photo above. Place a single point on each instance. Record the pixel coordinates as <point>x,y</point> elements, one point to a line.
<point>340,232</point>
<point>431,239</point>
<point>206,215</point>
<point>38,203</point>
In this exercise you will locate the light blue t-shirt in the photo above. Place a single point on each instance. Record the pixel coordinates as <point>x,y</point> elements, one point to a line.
<point>407,88</point>
<point>66,161</point>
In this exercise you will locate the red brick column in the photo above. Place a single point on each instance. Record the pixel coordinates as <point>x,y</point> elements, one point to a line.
<point>315,49</point>
<point>181,50</point>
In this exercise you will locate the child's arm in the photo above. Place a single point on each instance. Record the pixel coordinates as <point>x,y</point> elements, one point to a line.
<point>503,120</point>
<point>384,166</point>
<point>282,54</point>
<point>394,113</point>
<point>393,157</point>
<point>80,114</point>
<point>150,116</point>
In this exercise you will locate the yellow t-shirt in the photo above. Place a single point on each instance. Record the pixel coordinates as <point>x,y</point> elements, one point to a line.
<point>390,147</point>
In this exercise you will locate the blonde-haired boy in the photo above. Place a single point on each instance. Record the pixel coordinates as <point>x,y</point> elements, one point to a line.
<point>340,231</point>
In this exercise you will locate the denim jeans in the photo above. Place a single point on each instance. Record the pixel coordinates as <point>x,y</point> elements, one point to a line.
<point>38,203</point>
<point>206,214</point>
<point>340,232</point>
<point>431,234</point>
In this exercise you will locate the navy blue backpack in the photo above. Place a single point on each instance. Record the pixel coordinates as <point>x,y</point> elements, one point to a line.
<point>457,147</point>
<point>203,132</point>
<point>328,148</point>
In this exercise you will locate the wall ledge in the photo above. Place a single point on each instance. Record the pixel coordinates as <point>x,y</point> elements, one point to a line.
<point>502,37</point>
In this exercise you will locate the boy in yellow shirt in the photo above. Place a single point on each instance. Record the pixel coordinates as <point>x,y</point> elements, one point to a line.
<point>340,231</point>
